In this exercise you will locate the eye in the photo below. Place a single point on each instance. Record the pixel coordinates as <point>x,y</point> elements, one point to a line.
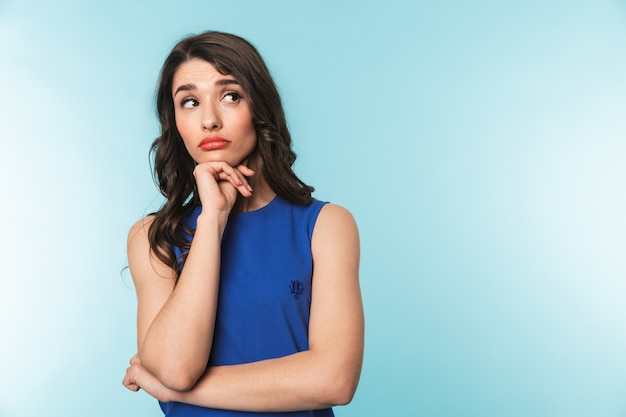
<point>188,103</point>
<point>232,97</point>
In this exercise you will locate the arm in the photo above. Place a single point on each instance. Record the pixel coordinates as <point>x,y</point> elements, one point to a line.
<point>325,375</point>
<point>175,322</point>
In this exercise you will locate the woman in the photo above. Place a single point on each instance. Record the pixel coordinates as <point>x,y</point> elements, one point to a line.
<point>247,287</point>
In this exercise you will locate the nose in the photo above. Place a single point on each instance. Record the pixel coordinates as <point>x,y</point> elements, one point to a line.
<point>210,117</point>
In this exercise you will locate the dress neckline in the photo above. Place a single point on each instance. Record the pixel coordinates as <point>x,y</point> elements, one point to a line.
<point>260,209</point>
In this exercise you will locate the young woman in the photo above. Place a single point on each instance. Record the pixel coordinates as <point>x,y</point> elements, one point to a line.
<point>247,287</point>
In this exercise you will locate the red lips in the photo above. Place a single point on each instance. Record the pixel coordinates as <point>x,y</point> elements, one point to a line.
<point>212,143</point>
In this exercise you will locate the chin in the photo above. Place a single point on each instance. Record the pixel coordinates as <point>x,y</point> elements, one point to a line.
<point>217,157</point>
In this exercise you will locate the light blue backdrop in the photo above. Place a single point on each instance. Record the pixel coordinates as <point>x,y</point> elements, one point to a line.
<point>480,145</point>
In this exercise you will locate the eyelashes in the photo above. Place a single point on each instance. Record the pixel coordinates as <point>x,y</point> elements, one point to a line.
<point>188,103</point>
<point>230,97</point>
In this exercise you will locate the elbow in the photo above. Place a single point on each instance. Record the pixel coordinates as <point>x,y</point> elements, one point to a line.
<point>176,376</point>
<point>338,378</point>
<point>178,381</point>
<point>343,392</point>
<point>340,388</point>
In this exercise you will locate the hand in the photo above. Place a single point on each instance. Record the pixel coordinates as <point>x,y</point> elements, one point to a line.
<point>137,377</point>
<point>218,184</point>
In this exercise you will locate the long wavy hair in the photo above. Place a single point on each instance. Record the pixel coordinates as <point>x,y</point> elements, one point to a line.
<point>172,164</point>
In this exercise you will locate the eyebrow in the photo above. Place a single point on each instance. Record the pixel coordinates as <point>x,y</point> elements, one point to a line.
<point>190,87</point>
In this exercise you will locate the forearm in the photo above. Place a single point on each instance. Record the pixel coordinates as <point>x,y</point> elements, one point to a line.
<point>303,381</point>
<point>178,341</point>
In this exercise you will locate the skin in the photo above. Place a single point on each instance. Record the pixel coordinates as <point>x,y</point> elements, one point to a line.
<point>175,323</point>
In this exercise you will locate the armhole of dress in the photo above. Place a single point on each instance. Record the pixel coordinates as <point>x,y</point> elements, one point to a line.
<point>318,206</point>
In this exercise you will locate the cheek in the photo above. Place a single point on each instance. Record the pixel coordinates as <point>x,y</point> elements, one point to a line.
<point>246,127</point>
<point>184,130</point>
<point>250,134</point>
<point>183,126</point>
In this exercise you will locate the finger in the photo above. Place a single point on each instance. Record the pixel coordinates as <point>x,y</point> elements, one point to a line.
<point>221,171</point>
<point>133,387</point>
<point>233,176</point>
<point>237,179</point>
<point>129,383</point>
<point>218,169</point>
<point>243,188</point>
<point>211,169</point>
<point>245,170</point>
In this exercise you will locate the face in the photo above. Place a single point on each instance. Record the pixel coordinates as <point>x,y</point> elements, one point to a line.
<point>212,114</point>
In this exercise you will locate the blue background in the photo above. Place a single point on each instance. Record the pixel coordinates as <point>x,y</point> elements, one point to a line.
<point>480,146</point>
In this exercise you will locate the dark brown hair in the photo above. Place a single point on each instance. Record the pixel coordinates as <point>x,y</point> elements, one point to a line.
<point>173,166</point>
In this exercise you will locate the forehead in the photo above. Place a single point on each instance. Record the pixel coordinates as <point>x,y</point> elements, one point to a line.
<point>197,72</point>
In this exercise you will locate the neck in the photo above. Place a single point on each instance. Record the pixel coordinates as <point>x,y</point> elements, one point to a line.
<point>262,194</point>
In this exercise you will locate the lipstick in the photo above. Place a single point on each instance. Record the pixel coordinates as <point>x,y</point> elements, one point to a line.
<point>213,143</point>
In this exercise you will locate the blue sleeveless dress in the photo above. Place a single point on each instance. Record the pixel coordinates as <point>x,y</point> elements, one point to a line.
<point>264,295</point>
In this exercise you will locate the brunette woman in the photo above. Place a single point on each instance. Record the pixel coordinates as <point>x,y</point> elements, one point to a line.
<point>247,286</point>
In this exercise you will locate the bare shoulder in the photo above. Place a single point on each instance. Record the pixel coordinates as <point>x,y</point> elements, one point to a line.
<point>139,230</point>
<point>335,233</point>
<point>142,261</point>
<point>137,242</point>
<point>334,220</point>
